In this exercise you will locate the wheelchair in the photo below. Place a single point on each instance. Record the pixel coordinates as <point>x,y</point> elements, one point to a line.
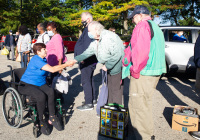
<point>15,105</point>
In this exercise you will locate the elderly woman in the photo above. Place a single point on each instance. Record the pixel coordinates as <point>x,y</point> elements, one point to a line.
<point>109,50</point>
<point>24,45</point>
<point>33,83</point>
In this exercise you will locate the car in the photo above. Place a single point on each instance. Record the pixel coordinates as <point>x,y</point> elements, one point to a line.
<point>35,38</point>
<point>69,43</point>
<point>126,39</point>
<point>179,55</point>
<point>2,41</point>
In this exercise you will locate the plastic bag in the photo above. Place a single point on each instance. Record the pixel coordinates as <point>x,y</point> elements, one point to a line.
<point>4,51</point>
<point>61,82</point>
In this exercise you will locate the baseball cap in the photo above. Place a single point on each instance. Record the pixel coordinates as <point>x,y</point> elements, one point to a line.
<point>139,9</point>
<point>10,31</point>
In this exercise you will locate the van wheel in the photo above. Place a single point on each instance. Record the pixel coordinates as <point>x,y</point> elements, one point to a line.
<point>65,49</point>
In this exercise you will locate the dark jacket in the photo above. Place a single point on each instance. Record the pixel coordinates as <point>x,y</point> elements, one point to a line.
<point>7,41</point>
<point>197,52</point>
<point>81,45</point>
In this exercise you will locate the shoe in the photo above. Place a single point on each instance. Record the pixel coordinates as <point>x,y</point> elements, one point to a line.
<point>196,134</point>
<point>56,123</point>
<point>153,137</point>
<point>98,116</point>
<point>44,128</point>
<point>94,102</point>
<point>85,107</point>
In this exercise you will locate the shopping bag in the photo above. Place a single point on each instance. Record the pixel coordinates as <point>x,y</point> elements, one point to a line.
<point>103,95</point>
<point>18,59</point>
<point>4,51</point>
<point>114,121</point>
<point>61,82</point>
<point>126,62</point>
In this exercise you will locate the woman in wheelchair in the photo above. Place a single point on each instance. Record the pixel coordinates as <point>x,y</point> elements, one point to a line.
<point>33,83</point>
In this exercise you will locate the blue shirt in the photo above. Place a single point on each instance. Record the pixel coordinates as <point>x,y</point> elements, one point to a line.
<point>179,38</point>
<point>34,75</point>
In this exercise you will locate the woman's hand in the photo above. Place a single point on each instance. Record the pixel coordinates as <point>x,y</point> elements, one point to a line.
<point>26,52</point>
<point>71,62</point>
<point>104,68</point>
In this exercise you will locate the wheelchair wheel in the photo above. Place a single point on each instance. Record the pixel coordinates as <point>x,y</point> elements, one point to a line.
<point>12,107</point>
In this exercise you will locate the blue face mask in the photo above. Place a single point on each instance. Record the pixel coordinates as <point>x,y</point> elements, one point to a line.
<point>91,35</point>
<point>50,33</point>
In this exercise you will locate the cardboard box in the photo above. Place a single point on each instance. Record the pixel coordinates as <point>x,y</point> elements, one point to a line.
<point>184,123</point>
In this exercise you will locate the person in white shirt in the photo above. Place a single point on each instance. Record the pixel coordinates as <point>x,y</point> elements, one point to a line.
<point>24,45</point>
<point>43,37</point>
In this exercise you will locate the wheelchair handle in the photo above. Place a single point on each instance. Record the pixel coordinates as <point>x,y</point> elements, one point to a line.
<point>11,73</point>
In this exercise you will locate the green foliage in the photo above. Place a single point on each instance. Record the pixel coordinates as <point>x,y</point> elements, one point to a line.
<point>111,13</point>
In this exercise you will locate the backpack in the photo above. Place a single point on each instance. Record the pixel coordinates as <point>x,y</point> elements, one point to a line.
<point>43,37</point>
<point>126,61</point>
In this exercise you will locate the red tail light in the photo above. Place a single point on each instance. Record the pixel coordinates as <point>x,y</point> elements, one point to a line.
<point>34,40</point>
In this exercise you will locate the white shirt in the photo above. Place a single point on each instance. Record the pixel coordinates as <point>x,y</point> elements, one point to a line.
<point>24,43</point>
<point>42,38</point>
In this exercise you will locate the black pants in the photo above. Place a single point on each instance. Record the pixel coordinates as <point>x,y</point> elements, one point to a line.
<point>88,82</point>
<point>115,88</point>
<point>39,94</point>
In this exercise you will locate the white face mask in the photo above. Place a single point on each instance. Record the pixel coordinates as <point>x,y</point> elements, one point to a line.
<point>10,33</point>
<point>50,33</point>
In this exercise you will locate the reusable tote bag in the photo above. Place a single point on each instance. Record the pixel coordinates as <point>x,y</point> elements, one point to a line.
<point>19,57</point>
<point>103,95</point>
<point>4,51</point>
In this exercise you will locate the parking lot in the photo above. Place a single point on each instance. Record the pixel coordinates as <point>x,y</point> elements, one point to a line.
<point>177,89</point>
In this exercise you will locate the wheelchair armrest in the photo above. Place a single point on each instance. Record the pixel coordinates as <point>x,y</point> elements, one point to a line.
<point>16,83</point>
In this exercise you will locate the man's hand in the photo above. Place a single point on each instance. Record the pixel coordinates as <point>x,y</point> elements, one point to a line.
<point>104,68</point>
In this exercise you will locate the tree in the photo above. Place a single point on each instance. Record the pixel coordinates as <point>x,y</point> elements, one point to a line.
<point>9,18</point>
<point>182,12</point>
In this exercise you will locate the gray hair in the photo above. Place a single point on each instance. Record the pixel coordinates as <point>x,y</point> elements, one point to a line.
<point>43,26</point>
<point>98,26</point>
<point>88,15</point>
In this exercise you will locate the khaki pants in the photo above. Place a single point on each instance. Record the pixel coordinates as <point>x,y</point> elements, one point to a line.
<point>140,105</point>
<point>197,83</point>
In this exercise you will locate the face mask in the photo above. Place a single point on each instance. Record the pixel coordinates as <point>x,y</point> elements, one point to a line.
<point>50,33</point>
<point>10,33</point>
<point>84,23</point>
<point>90,35</point>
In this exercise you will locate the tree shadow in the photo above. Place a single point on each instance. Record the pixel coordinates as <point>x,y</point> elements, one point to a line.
<point>164,88</point>
<point>5,74</point>
<point>167,113</point>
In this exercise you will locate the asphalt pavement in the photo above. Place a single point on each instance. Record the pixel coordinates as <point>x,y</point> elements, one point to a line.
<point>177,89</point>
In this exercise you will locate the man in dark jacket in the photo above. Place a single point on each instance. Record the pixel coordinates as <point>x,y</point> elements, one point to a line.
<point>87,66</point>
<point>197,83</point>
<point>10,44</point>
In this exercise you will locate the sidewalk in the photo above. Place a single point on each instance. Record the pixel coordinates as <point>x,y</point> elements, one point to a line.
<point>85,125</point>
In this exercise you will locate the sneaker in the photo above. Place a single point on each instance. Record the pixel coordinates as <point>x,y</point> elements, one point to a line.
<point>196,134</point>
<point>94,102</point>
<point>56,122</point>
<point>85,107</point>
<point>98,116</point>
<point>44,128</point>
